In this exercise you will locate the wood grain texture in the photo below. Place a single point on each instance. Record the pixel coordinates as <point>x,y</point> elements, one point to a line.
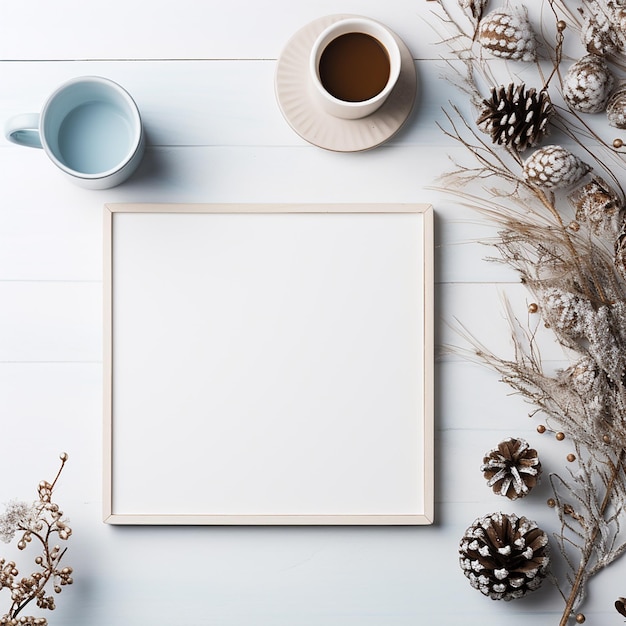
<point>203,76</point>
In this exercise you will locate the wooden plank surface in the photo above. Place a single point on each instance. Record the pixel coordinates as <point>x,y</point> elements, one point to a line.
<point>202,74</point>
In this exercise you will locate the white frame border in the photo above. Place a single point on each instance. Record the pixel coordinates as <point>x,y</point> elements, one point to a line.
<point>424,518</point>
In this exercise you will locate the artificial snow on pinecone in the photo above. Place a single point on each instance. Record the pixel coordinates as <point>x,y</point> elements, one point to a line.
<point>598,32</point>
<point>603,29</point>
<point>476,7</point>
<point>619,24</point>
<point>515,116</point>
<point>504,556</point>
<point>598,205</point>
<point>507,33</point>
<point>587,84</point>
<point>620,251</point>
<point>616,107</point>
<point>554,167</point>
<point>512,469</point>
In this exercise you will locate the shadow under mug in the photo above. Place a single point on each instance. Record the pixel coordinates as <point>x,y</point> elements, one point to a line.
<point>90,128</point>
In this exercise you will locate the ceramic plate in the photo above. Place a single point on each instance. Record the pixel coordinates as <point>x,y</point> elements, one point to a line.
<point>312,123</point>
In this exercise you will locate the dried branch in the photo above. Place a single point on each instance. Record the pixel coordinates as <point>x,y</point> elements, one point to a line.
<point>562,228</point>
<point>43,521</point>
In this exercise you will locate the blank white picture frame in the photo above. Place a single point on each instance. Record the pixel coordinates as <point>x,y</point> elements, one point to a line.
<point>268,364</point>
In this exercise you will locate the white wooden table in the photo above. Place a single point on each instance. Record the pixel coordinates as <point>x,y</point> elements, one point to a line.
<point>202,74</point>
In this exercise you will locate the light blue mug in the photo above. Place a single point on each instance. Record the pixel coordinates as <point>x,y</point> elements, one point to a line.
<point>90,128</point>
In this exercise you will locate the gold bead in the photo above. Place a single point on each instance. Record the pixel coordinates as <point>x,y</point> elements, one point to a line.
<point>606,439</point>
<point>533,307</point>
<point>551,502</point>
<point>617,143</point>
<point>571,457</point>
<point>561,25</point>
<point>574,226</point>
<point>541,429</point>
<point>63,456</point>
<point>560,436</point>
<point>580,618</point>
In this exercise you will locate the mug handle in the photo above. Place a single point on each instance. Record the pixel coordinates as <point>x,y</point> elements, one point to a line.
<point>23,130</point>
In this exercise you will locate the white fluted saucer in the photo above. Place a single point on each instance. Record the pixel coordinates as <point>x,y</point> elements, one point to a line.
<point>312,123</point>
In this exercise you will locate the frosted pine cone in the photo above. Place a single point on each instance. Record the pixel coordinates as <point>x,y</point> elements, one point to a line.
<point>619,25</point>
<point>507,33</point>
<point>616,107</point>
<point>567,312</point>
<point>620,251</point>
<point>516,116</point>
<point>476,7</point>
<point>587,84</point>
<point>582,376</point>
<point>598,33</point>
<point>598,205</point>
<point>504,556</point>
<point>512,469</point>
<point>554,167</point>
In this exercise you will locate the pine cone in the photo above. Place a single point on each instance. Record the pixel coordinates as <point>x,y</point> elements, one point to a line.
<point>515,116</point>
<point>507,33</point>
<point>587,84</point>
<point>598,205</point>
<point>554,167</point>
<point>476,7</point>
<point>582,376</point>
<point>619,25</point>
<point>616,107</point>
<point>566,312</point>
<point>504,556</point>
<point>512,469</point>
<point>598,33</point>
<point>620,251</point>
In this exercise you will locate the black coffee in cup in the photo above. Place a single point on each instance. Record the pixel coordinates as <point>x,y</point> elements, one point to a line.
<point>354,67</point>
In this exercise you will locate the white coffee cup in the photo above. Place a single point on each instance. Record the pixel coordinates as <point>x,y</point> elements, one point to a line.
<point>348,80</point>
<point>90,128</point>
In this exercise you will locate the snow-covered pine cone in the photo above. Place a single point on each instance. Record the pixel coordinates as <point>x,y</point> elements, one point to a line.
<point>598,32</point>
<point>598,205</point>
<point>512,469</point>
<point>515,116</point>
<point>616,107</point>
<point>507,33</point>
<point>603,30</point>
<point>476,7</point>
<point>587,84</point>
<point>620,251</point>
<point>554,167</point>
<point>504,556</point>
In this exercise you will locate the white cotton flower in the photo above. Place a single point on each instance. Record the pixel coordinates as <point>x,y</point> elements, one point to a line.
<point>17,516</point>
